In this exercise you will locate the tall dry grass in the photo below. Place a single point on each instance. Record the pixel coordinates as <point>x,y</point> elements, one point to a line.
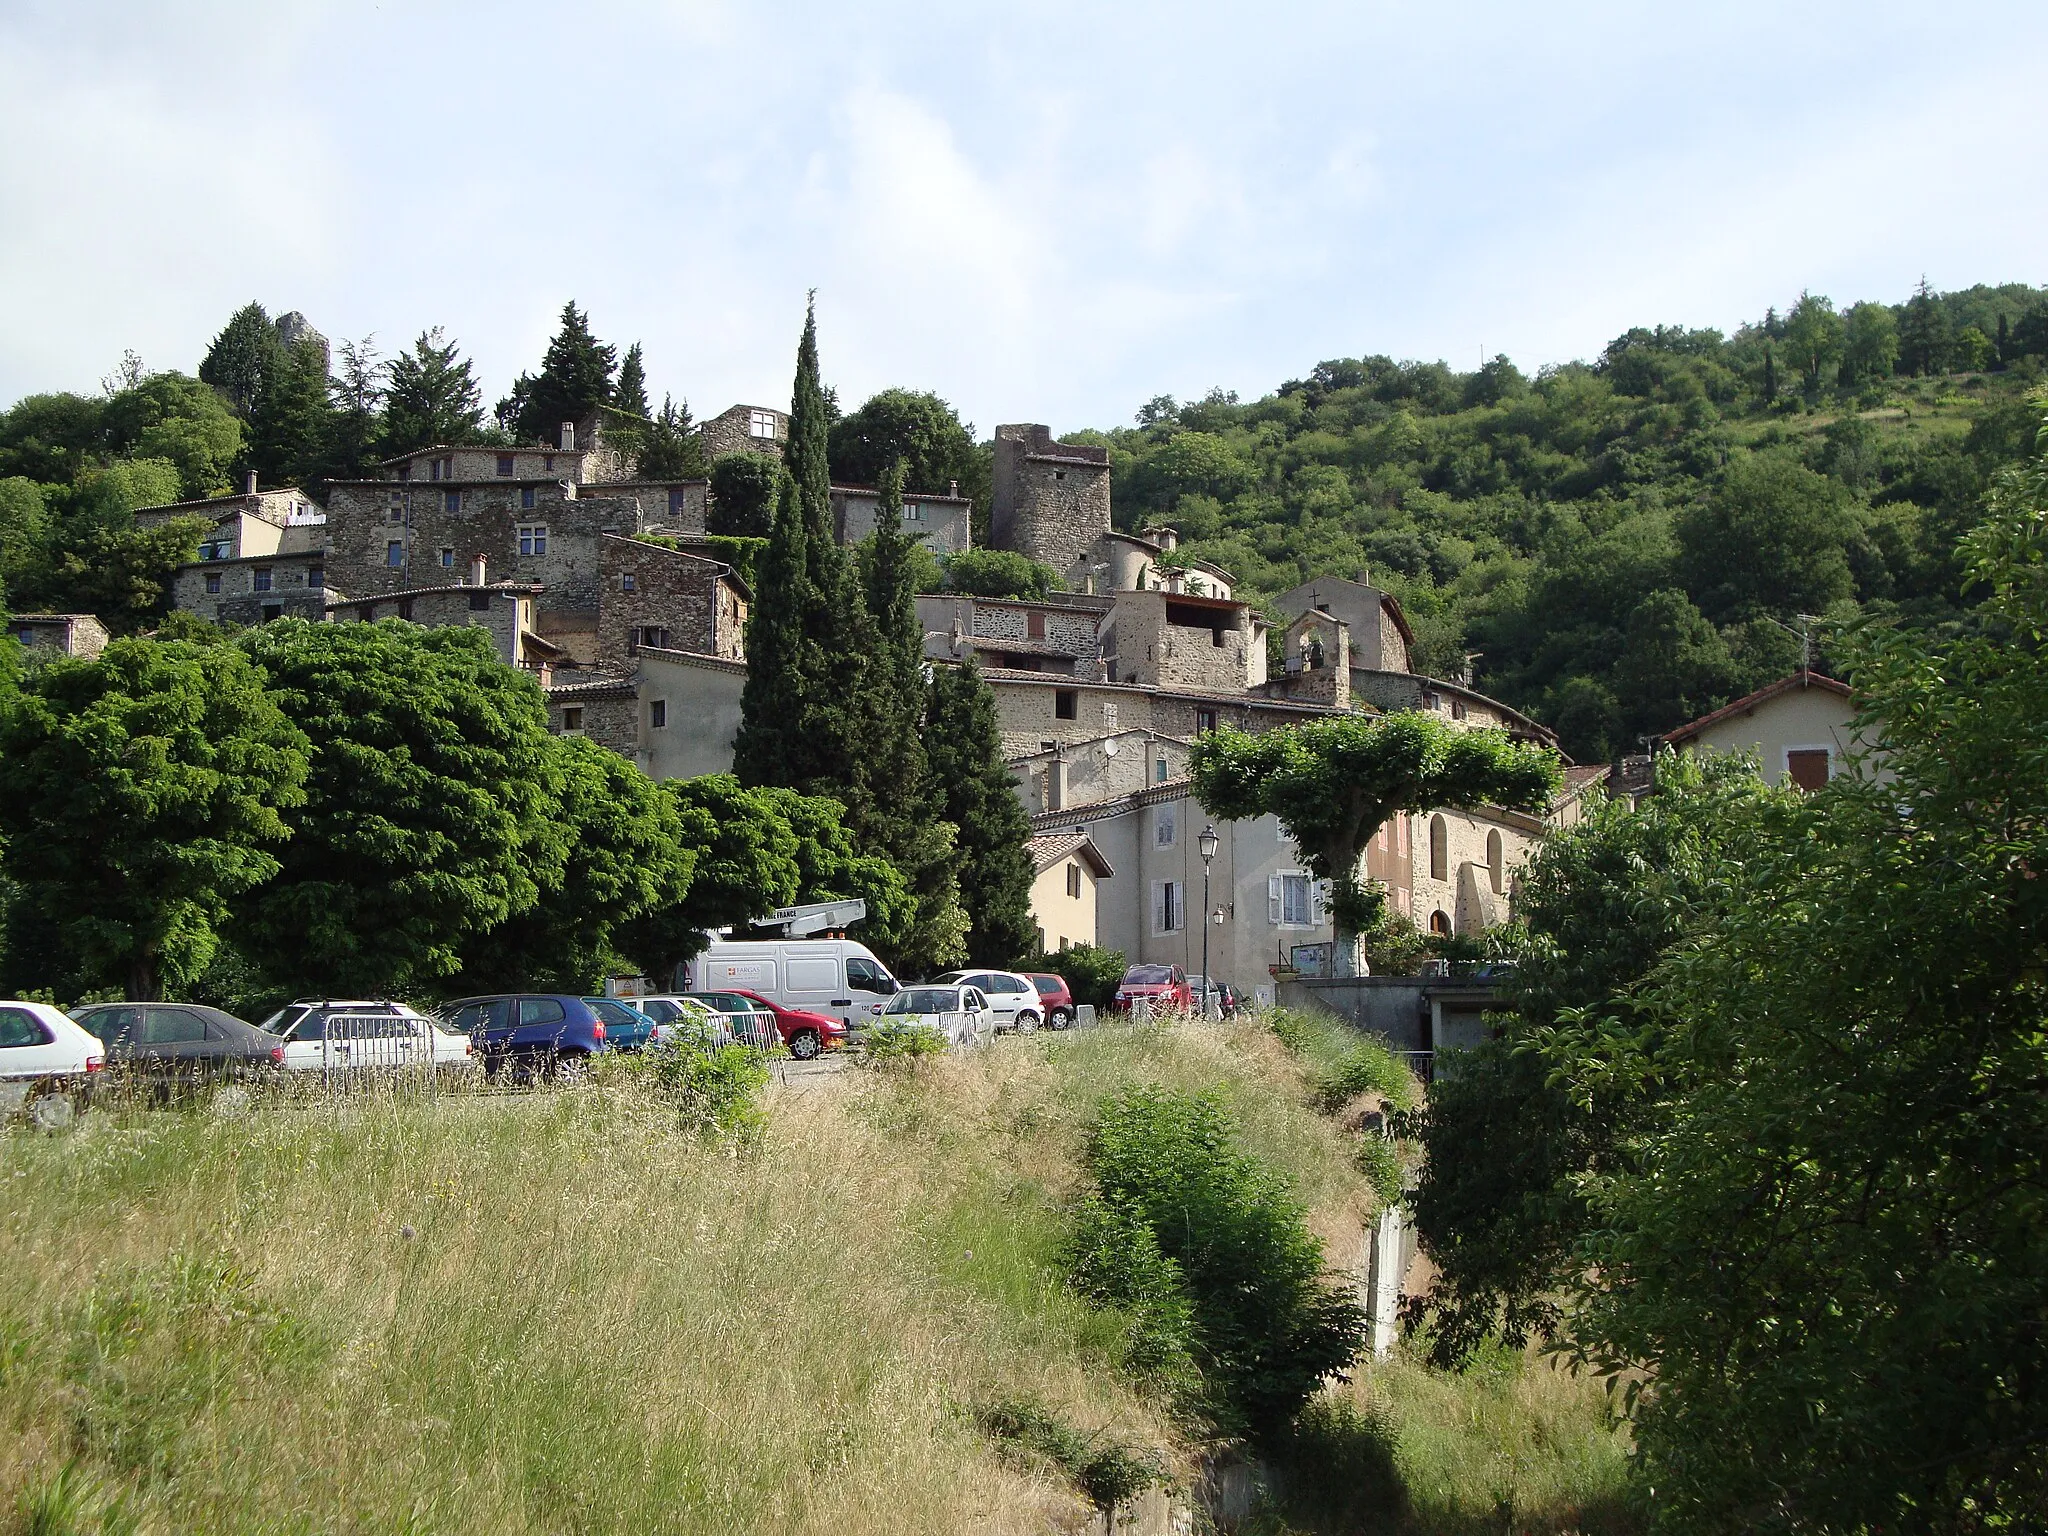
<point>559,1311</point>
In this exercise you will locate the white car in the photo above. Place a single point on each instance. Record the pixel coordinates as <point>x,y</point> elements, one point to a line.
<point>680,1020</point>
<point>1012,997</point>
<point>46,1061</point>
<point>338,1037</point>
<point>960,1013</point>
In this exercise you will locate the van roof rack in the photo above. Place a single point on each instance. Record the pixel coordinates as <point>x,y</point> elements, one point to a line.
<point>830,918</point>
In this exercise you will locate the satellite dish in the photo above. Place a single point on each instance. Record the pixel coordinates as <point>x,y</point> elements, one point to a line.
<point>1109,747</point>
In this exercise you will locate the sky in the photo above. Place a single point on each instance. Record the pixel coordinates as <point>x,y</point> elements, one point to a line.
<point>1048,213</point>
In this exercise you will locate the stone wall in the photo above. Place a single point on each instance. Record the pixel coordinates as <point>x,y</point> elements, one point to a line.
<point>608,713</point>
<point>59,634</point>
<point>503,613</point>
<point>1051,499</point>
<point>1165,641</point>
<point>731,431</point>
<point>1029,709</point>
<point>480,465</point>
<point>675,506</point>
<point>1089,773</point>
<point>649,587</point>
<point>254,589</point>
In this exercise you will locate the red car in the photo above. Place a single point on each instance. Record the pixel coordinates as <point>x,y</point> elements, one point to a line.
<point>807,1034</point>
<point>1053,993</point>
<point>1162,986</point>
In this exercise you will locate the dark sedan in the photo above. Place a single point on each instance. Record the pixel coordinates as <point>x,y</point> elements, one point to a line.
<point>179,1041</point>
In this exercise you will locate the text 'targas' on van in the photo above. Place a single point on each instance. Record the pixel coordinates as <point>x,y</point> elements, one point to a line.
<point>840,977</point>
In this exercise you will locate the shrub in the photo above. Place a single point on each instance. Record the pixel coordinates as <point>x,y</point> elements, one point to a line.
<point>1269,1324</point>
<point>1112,1256</point>
<point>901,1047</point>
<point>1109,1471</point>
<point>715,1091</point>
<point>998,573</point>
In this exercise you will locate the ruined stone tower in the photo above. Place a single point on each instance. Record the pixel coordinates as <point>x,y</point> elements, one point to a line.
<point>1051,499</point>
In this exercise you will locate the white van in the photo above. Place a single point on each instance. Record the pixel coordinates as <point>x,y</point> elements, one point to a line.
<point>839,977</point>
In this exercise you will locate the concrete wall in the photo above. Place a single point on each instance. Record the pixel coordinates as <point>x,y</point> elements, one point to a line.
<point>1802,718</point>
<point>1089,773</point>
<point>1051,499</point>
<point>702,696</point>
<point>1376,642</point>
<point>942,524</point>
<point>1467,893</point>
<point>1063,920</point>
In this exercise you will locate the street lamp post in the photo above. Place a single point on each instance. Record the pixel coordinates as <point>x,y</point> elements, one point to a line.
<point>1208,842</point>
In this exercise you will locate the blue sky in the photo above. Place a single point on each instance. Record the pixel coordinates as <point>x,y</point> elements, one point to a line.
<point>1045,214</point>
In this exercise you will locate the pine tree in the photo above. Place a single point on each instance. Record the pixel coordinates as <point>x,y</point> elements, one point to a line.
<point>1770,376</point>
<point>575,378</point>
<point>241,357</point>
<point>432,397</point>
<point>358,397</point>
<point>290,428</point>
<point>670,449</point>
<point>2004,340</point>
<point>965,745</point>
<point>1924,331</point>
<point>630,393</point>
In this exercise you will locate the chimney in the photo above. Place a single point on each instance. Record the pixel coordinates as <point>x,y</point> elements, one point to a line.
<point>952,487</point>
<point>477,570</point>
<point>568,437</point>
<point>1056,782</point>
<point>249,485</point>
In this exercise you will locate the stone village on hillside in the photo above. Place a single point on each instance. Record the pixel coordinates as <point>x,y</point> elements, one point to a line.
<point>1101,688</point>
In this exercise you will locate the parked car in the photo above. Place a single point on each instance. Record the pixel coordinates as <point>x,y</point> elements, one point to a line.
<point>174,1042</point>
<point>836,976</point>
<point>960,1013</point>
<point>1055,997</point>
<point>1161,986</point>
<point>529,1032</point>
<point>1232,999</point>
<point>751,1021</point>
<point>1011,996</point>
<point>626,1028</point>
<point>292,1014</point>
<point>685,1020</point>
<point>335,1038</point>
<point>48,1063</point>
<point>807,1034</point>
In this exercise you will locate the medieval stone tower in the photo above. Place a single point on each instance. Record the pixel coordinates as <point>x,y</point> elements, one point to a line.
<point>1051,500</point>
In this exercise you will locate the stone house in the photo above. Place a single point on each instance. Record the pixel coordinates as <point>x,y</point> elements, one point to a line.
<point>58,634</point>
<point>252,523</point>
<point>688,712</point>
<point>943,524</point>
<point>1066,867</point>
<point>505,609</point>
<point>254,589</point>
<point>1379,637</point>
<point>1036,708</point>
<point>1801,729</point>
<point>656,598</point>
<point>1050,501</point>
<point>1149,563</point>
<point>745,429</point>
<point>1061,774</point>
<point>1059,634</point>
<point>1173,640</point>
<point>604,707</point>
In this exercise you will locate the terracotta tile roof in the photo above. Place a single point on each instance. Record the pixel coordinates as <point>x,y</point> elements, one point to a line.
<point>1053,847</point>
<point>1801,680</point>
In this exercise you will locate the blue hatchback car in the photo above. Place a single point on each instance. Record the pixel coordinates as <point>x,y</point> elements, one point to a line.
<point>626,1028</point>
<point>530,1032</point>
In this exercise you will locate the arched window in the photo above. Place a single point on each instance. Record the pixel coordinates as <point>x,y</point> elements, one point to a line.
<point>1493,861</point>
<point>1440,922</point>
<point>1439,849</point>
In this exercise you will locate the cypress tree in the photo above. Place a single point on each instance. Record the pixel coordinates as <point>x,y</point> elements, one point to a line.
<point>241,357</point>
<point>774,705</point>
<point>2004,340</point>
<point>965,745</point>
<point>904,815</point>
<point>290,429</point>
<point>1770,376</point>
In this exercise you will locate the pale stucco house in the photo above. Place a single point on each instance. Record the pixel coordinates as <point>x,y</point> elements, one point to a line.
<point>1801,728</point>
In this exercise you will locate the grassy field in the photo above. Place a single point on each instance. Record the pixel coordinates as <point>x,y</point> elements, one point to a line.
<point>560,1312</point>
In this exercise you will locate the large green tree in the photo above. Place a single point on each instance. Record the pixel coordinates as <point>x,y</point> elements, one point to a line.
<point>965,747</point>
<point>355,427</point>
<point>575,379</point>
<point>1334,783</point>
<point>626,858</point>
<point>670,450</point>
<point>141,793</point>
<point>1870,342</point>
<point>432,810</point>
<point>291,426</point>
<point>1772,538</point>
<point>743,490</point>
<point>1813,339</point>
<point>177,419</point>
<point>430,397</point>
<point>1827,1255</point>
<point>918,431</point>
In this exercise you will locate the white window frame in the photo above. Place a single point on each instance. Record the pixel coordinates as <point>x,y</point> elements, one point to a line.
<point>1109,714</point>
<point>761,424</point>
<point>1169,907</point>
<point>1166,824</point>
<point>1312,894</point>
